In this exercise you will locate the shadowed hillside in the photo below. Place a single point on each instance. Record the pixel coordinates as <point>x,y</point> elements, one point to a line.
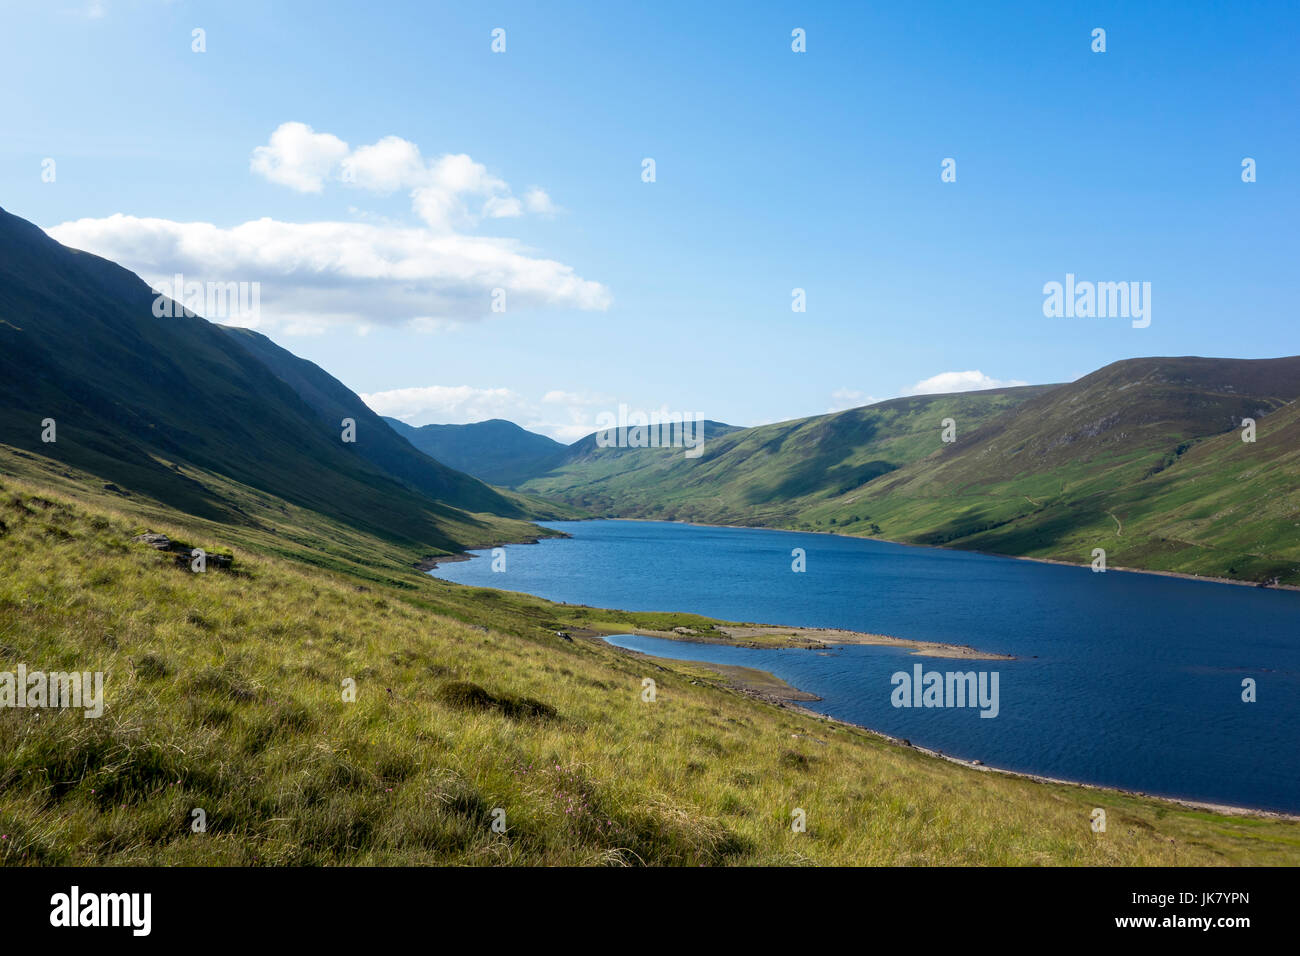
<point>496,451</point>
<point>152,404</point>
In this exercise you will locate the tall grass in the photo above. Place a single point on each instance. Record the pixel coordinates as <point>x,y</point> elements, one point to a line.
<point>224,693</point>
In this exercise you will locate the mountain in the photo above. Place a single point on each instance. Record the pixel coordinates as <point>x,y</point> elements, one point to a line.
<point>176,408</point>
<point>332,401</point>
<point>497,451</point>
<point>224,687</point>
<point>767,475</point>
<point>625,443</point>
<point>1142,458</point>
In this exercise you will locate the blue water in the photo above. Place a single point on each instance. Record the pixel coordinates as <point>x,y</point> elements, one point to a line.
<point>1121,679</point>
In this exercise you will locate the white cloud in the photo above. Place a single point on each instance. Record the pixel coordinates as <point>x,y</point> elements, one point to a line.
<point>502,207</point>
<point>564,416</point>
<point>368,272</point>
<point>559,397</point>
<point>944,382</point>
<point>539,202</point>
<point>392,163</point>
<point>970,381</point>
<point>329,273</point>
<point>446,404</point>
<point>298,157</point>
<point>448,191</point>
<point>566,433</point>
<point>453,190</point>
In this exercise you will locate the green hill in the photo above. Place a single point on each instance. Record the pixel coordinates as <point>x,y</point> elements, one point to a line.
<point>159,406</point>
<point>497,451</point>
<point>375,440</point>
<point>769,475</point>
<point>222,691</point>
<point>1143,458</point>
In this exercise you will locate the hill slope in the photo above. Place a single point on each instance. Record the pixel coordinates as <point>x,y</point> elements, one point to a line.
<point>222,691</point>
<point>155,404</point>
<point>375,440</point>
<point>1143,458</point>
<point>497,451</point>
<point>769,475</point>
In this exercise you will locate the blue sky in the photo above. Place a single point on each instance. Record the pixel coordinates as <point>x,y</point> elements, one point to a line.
<point>775,170</point>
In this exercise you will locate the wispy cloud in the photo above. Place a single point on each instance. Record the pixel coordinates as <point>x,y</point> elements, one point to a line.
<point>844,398</point>
<point>564,416</point>
<point>943,383</point>
<point>318,275</point>
<point>971,381</point>
<point>447,191</point>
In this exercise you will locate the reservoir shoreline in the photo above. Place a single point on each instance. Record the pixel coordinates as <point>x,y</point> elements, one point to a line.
<point>809,638</point>
<point>1122,685</point>
<point>778,692</point>
<point>429,564</point>
<point>992,554</point>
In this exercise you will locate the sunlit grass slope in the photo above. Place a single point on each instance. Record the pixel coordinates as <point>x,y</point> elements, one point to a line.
<point>224,693</point>
<point>770,475</point>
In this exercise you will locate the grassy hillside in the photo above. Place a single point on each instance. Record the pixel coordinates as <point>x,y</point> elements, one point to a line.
<point>224,689</point>
<point>375,439</point>
<point>157,407</point>
<point>768,475</point>
<point>1143,458</point>
<point>223,692</point>
<point>274,525</point>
